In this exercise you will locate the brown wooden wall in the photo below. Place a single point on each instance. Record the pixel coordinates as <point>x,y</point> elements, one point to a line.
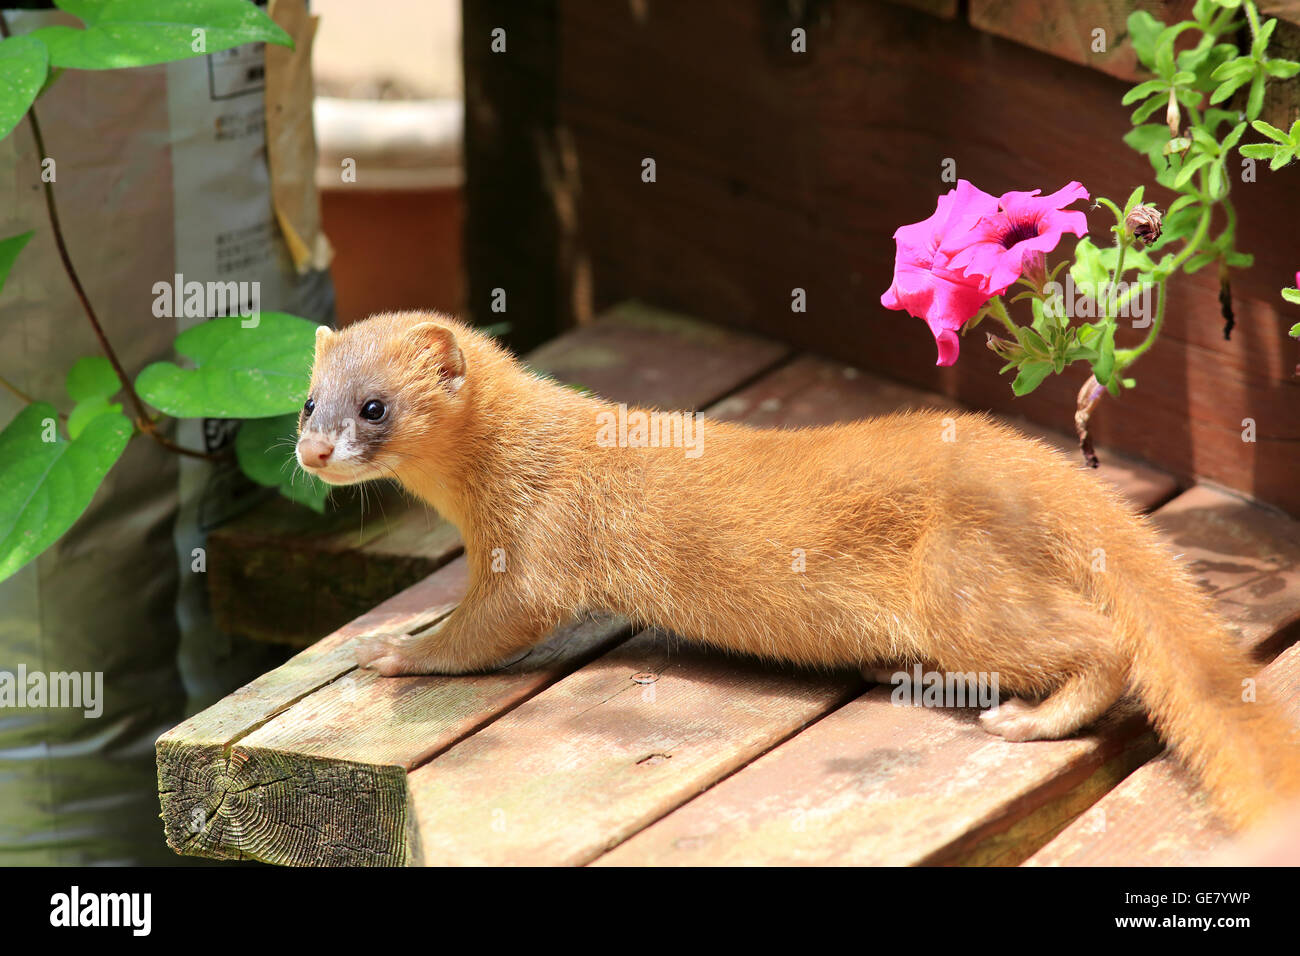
<point>778,170</point>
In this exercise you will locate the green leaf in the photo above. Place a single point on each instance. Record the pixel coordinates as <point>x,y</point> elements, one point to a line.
<point>1143,90</point>
<point>1233,67</point>
<point>1292,295</point>
<point>1261,150</point>
<point>1104,367</point>
<point>122,33</point>
<point>9,250</point>
<point>1157,102</point>
<point>1271,131</point>
<point>92,377</point>
<point>1134,198</point>
<point>1031,375</point>
<point>1088,270</point>
<point>24,65</point>
<point>1143,30</point>
<point>1189,170</point>
<point>1178,204</point>
<point>1228,87</point>
<point>1255,102</point>
<point>242,372</point>
<point>45,486</point>
<point>1149,139</point>
<point>264,449</point>
<point>1282,69</point>
<point>1233,136</point>
<point>83,413</point>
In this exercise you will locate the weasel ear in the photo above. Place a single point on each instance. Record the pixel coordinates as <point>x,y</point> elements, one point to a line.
<point>437,345</point>
<point>323,335</point>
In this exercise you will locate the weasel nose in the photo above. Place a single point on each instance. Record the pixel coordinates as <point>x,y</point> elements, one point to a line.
<point>314,452</point>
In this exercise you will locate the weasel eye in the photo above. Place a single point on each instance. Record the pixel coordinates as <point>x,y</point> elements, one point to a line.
<point>373,410</point>
<point>308,407</point>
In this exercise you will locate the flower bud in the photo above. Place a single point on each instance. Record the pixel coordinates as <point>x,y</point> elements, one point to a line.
<point>1173,117</point>
<point>1144,224</point>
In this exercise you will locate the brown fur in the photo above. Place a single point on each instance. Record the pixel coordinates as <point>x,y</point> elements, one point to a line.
<point>974,553</point>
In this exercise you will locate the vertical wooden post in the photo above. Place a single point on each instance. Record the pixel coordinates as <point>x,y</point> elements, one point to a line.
<point>511,226</point>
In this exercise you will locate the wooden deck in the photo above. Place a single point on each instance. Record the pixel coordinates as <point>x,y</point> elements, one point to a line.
<point>611,747</point>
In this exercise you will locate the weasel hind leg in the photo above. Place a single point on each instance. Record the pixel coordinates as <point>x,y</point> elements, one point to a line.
<point>1078,702</point>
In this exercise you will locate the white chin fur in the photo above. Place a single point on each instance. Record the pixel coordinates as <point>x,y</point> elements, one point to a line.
<point>342,473</point>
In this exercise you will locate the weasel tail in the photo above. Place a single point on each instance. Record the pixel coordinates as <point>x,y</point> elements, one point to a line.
<point>1199,691</point>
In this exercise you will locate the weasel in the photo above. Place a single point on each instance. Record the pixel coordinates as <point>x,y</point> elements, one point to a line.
<point>926,537</point>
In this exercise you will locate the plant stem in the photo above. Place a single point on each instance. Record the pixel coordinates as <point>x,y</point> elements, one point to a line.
<point>1126,357</point>
<point>1122,244</point>
<point>999,310</point>
<point>16,391</point>
<point>142,419</point>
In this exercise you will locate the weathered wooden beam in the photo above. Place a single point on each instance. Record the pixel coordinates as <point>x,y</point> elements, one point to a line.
<point>876,783</point>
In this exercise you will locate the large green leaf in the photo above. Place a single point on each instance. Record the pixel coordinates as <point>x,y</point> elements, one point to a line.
<point>46,485</point>
<point>24,65</point>
<point>92,377</point>
<point>242,373</point>
<point>123,33</point>
<point>264,449</point>
<point>9,249</point>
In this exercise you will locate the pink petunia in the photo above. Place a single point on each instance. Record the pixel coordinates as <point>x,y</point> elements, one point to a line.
<point>924,285</point>
<point>998,248</point>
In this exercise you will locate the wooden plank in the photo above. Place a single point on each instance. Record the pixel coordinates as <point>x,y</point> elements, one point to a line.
<point>1157,816</point>
<point>514,227</point>
<point>281,573</point>
<point>646,356</point>
<point>601,754</point>
<point>878,783</point>
<point>751,190</point>
<point>1066,30</point>
<point>201,774</point>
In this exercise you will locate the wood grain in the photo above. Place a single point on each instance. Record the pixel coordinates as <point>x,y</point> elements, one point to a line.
<point>601,754</point>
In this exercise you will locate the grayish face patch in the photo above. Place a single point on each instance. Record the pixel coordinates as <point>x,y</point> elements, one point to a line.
<point>336,419</point>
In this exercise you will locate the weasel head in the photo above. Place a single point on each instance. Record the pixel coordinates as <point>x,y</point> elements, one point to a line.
<point>385,399</point>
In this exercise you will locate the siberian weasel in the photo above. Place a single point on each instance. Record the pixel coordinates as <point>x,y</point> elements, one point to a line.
<point>863,544</point>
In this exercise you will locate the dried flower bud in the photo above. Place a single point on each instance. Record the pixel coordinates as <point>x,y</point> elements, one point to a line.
<point>1002,347</point>
<point>1144,224</point>
<point>1173,118</point>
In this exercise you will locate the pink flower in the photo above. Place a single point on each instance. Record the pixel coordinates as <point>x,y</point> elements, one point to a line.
<point>924,285</point>
<point>998,248</point>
